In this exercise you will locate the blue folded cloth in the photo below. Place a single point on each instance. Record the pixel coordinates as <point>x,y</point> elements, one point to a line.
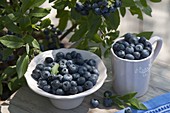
<point>159,104</point>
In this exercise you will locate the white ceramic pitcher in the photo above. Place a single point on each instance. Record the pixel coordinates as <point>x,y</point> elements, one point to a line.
<point>133,75</point>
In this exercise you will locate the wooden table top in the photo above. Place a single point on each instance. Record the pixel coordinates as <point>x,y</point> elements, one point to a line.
<point>26,101</point>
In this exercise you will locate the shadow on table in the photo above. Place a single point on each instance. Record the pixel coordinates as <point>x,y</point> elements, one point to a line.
<point>26,101</point>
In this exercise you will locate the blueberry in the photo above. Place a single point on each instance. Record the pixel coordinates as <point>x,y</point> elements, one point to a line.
<point>107,94</point>
<point>64,71</point>
<point>105,10</point>
<point>94,5</point>
<point>47,69</point>
<point>79,6</point>
<point>112,9</point>
<point>128,36</point>
<point>78,55</point>
<point>94,103</point>
<point>59,77</point>
<point>67,77</point>
<point>91,62</point>
<point>40,67</point>
<point>134,40</point>
<point>55,84</point>
<point>75,76</point>
<point>115,47</point>
<point>88,85</point>
<point>81,80</point>
<point>94,70</point>
<point>35,76</point>
<point>82,70</point>
<point>66,86</point>
<point>63,61</point>
<point>73,90</point>
<point>129,50</point>
<point>87,75</point>
<point>80,89</point>
<point>79,61</point>
<point>145,53</point>
<point>118,3</point>
<point>60,55</point>
<point>73,83</point>
<point>121,54</point>
<point>36,72</point>
<point>59,92</point>
<point>125,43</point>
<point>107,102</point>
<point>47,88</point>
<point>128,110</point>
<point>89,68</point>
<point>73,54</point>
<point>136,55</point>
<point>68,56</point>
<point>97,11</point>
<point>121,47</point>
<point>148,44</point>
<point>149,49</point>
<point>48,60</point>
<point>93,79</point>
<point>142,40</point>
<point>72,68</point>
<point>42,83</point>
<point>45,74</point>
<point>132,45</point>
<point>129,56</point>
<point>138,48</point>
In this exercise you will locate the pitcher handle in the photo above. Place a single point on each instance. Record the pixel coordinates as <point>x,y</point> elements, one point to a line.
<point>158,41</point>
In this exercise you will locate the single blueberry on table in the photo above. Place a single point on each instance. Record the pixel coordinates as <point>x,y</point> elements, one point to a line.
<point>94,103</point>
<point>107,94</point>
<point>107,102</point>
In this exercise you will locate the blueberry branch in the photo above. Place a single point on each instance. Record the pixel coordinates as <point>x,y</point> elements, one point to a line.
<point>68,31</point>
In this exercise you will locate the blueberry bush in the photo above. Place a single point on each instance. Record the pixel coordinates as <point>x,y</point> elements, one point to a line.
<point>24,32</point>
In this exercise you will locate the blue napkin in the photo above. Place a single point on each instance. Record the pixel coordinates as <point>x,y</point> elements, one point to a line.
<point>159,104</point>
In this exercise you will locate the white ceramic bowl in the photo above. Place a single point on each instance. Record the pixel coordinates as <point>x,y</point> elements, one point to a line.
<point>70,101</point>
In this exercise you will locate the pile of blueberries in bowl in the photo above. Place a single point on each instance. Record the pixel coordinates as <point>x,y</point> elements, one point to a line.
<point>66,76</point>
<point>132,47</point>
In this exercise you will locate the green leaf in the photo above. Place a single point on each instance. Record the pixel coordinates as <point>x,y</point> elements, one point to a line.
<point>113,21</point>
<point>79,33</point>
<point>9,71</point>
<point>54,69</point>
<point>28,4</point>
<point>84,43</point>
<point>144,3</point>
<point>6,53</point>
<point>97,38</point>
<point>147,10</point>
<point>122,11</point>
<point>128,96</point>
<point>11,41</point>
<point>1,87</point>
<point>45,23</point>
<point>135,103</point>
<point>136,11</point>
<point>21,65</point>
<point>63,20</point>
<point>31,41</point>
<point>9,24</point>
<point>107,52</point>
<point>24,22</point>
<point>39,12</point>
<point>155,0</point>
<point>96,50</point>
<point>128,3</point>
<point>60,4</point>
<point>119,102</point>
<point>146,34</point>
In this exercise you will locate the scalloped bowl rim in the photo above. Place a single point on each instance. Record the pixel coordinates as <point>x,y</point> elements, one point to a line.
<point>86,55</point>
